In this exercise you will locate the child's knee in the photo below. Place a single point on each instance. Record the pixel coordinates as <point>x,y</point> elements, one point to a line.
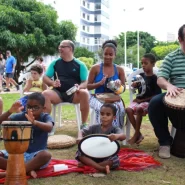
<point>139,110</point>
<point>45,156</point>
<point>129,110</point>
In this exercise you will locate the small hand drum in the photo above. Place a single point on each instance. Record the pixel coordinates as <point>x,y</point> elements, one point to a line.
<point>16,136</point>
<point>104,97</point>
<point>98,146</point>
<point>27,93</point>
<point>71,90</point>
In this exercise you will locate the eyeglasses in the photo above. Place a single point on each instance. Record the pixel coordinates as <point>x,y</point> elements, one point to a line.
<point>33,108</point>
<point>63,47</point>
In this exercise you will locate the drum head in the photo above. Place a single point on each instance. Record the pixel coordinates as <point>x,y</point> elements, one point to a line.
<point>103,96</point>
<point>16,123</point>
<point>98,146</point>
<point>177,102</point>
<point>28,93</point>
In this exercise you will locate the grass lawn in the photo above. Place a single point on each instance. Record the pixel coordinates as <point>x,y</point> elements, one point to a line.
<point>171,171</point>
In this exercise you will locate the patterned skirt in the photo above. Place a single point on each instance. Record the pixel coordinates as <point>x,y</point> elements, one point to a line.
<point>96,105</point>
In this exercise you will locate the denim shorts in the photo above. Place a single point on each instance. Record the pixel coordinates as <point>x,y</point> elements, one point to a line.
<point>27,157</point>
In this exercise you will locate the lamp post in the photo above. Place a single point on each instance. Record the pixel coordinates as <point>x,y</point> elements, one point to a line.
<point>140,9</point>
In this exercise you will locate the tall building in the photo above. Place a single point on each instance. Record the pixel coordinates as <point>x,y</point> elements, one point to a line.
<point>92,17</point>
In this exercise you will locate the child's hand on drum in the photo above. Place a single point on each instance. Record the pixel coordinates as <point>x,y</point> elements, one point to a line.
<point>78,140</point>
<point>16,107</point>
<point>112,137</point>
<point>30,116</point>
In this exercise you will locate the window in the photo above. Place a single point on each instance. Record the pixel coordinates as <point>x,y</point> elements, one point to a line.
<point>83,39</point>
<point>83,28</point>
<point>88,17</point>
<point>97,6</point>
<point>95,18</point>
<point>95,40</point>
<point>83,15</point>
<point>88,5</point>
<point>88,41</point>
<point>88,29</point>
<point>83,3</point>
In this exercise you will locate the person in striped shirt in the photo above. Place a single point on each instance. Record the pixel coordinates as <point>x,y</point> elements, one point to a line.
<point>171,77</point>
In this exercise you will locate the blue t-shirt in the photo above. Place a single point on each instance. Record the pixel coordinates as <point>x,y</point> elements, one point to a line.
<point>10,61</point>
<point>39,136</point>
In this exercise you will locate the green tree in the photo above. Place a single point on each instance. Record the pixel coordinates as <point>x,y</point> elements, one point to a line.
<point>132,55</point>
<point>83,52</point>
<point>88,61</point>
<point>162,50</point>
<point>147,41</point>
<point>30,28</point>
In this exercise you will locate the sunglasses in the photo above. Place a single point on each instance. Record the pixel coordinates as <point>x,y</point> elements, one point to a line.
<point>63,47</point>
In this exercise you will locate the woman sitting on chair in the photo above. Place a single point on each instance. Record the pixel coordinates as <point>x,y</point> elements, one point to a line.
<point>100,75</point>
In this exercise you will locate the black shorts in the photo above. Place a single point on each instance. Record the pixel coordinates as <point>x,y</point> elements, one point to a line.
<point>9,75</point>
<point>64,97</point>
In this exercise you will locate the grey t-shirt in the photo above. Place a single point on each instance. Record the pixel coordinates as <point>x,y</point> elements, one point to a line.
<point>96,129</point>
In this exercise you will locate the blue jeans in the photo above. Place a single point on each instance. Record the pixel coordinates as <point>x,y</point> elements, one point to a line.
<point>159,119</point>
<point>27,157</point>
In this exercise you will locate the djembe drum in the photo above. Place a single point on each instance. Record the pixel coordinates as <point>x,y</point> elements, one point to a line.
<point>16,137</point>
<point>175,107</point>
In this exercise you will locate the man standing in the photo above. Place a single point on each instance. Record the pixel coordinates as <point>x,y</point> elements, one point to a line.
<point>67,72</point>
<point>171,77</point>
<point>10,69</point>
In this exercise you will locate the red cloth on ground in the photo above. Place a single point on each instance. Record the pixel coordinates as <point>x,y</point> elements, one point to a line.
<point>130,160</point>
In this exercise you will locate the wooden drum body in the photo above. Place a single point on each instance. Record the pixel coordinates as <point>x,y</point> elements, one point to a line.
<point>16,136</point>
<point>175,107</point>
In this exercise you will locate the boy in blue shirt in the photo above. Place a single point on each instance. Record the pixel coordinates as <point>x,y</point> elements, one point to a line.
<point>36,157</point>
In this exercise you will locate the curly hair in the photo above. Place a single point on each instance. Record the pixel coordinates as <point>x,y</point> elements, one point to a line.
<point>37,67</point>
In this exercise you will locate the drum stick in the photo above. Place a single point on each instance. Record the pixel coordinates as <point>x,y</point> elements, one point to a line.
<point>56,75</point>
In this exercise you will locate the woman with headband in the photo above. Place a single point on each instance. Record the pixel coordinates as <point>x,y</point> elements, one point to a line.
<point>102,74</point>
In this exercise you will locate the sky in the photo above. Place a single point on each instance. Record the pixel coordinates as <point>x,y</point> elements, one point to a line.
<point>158,17</point>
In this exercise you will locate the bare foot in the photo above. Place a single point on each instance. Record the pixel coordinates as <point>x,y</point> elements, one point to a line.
<point>133,140</point>
<point>33,174</point>
<point>140,139</point>
<point>107,169</point>
<point>2,174</point>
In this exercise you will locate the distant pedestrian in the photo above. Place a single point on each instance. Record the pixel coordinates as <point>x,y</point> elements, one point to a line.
<point>10,69</point>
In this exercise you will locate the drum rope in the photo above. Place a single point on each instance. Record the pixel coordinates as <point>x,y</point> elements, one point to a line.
<point>22,129</point>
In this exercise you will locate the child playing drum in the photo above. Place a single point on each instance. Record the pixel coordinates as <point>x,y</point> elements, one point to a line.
<point>36,157</point>
<point>107,115</point>
<point>139,105</point>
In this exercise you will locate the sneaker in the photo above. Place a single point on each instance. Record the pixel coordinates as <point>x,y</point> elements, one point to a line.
<point>17,87</point>
<point>84,125</point>
<point>164,152</point>
<point>6,90</point>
